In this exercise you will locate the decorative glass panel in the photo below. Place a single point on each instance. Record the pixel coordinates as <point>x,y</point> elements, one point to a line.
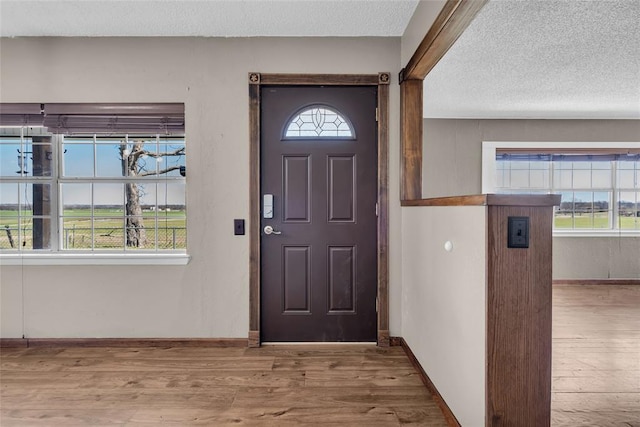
<point>319,122</point>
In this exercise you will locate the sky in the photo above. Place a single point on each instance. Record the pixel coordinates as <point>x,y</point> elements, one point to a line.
<point>78,162</point>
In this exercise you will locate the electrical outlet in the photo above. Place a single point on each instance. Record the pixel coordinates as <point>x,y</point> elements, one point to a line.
<point>518,232</point>
<point>238,227</point>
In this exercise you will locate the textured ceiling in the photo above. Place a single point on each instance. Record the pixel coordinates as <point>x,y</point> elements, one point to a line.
<point>518,59</point>
<point>207,18</point>
<point>542,59</point>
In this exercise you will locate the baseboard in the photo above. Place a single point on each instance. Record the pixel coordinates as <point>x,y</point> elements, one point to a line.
<point>13,343</point>
<point>395,341</point>
<point>122,342</point>
<point>596,281</point>
<point>446,411</point>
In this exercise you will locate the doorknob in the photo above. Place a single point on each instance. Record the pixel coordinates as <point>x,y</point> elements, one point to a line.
<point>269,230</point>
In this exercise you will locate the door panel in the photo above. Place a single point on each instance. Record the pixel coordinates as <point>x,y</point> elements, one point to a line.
<point>297,280</point>
<point>296,192</point>
<point>319,276</point>
<point>341,188</point>
<point>342,279</point>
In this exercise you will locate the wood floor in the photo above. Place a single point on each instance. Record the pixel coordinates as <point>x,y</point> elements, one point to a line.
<point>351,385</point>
<point>596,378</point>
<point>596,356</point>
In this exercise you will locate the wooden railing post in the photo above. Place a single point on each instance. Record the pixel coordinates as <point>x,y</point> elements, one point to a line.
<point>411,139</point>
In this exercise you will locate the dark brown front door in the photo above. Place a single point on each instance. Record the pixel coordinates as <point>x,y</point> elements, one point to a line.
<point>319,168</point>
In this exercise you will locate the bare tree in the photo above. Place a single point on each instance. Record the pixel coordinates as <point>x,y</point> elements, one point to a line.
<point>133,157</point>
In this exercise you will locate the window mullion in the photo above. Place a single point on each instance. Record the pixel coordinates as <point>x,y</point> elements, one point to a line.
<point>95,156</point>
<point>573,207</point>
<point>54,211</point>
<point>59,168</point>
<point>155,216</point>
<point>615,210</point>
<point>20,196</point>
<point>552,188</point>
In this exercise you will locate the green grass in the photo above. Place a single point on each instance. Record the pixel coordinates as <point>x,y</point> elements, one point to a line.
<point>78,236</point>
<point>108,232</point>
<point>598,221</point>
<point>119,213</point>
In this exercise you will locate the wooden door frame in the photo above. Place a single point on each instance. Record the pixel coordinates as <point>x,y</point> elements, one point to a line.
<point>256,81</point>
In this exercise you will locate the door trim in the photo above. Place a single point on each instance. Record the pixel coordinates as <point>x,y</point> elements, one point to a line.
<point>381,80</point>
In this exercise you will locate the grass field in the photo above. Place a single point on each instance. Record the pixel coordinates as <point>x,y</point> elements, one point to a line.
<point>106,231</point>
<point>598,221</point>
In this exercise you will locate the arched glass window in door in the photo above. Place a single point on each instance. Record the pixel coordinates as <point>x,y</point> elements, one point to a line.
<point>318,121</point>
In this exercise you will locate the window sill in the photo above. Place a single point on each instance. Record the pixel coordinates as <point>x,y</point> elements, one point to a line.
<point>94,259</point>
<point>596,233</point>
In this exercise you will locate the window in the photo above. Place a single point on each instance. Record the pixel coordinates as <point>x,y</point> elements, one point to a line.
<point>26,187</point>
<point>318,122</point>
<point>600,186</point>
<point>64,189</point>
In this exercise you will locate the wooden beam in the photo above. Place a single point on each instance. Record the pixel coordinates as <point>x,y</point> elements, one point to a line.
<point>411,142</point>
<point>489,200</point>
<point>455,17</point>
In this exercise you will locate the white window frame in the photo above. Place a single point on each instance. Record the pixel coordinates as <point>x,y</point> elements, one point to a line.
<point>56,255</point>
<point>489,176</point>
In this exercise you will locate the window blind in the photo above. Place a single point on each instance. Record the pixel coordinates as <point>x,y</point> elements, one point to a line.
<point>97,118</point>
<point>525,157</point>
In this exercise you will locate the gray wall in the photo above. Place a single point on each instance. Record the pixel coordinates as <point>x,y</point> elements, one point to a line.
<point>453,166</point>
<point>423,17</point>
<point>209,297</point>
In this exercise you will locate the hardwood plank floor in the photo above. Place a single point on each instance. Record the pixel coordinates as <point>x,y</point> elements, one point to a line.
<point>596,378</point>
<point>596,356</point>
<point>345,385</point>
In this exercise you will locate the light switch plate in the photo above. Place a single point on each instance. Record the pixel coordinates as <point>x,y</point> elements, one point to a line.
<point>238,227</point>
<point>518,232</point>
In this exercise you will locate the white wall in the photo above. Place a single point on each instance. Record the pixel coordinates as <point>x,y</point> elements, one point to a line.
<point>444,302</point>
<point>452,165</point>
<point>210,296</point>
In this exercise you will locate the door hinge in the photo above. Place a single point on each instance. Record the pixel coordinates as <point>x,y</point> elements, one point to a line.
<point>377,212</point>
<point>376,304</point>
<point>377,114</point>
